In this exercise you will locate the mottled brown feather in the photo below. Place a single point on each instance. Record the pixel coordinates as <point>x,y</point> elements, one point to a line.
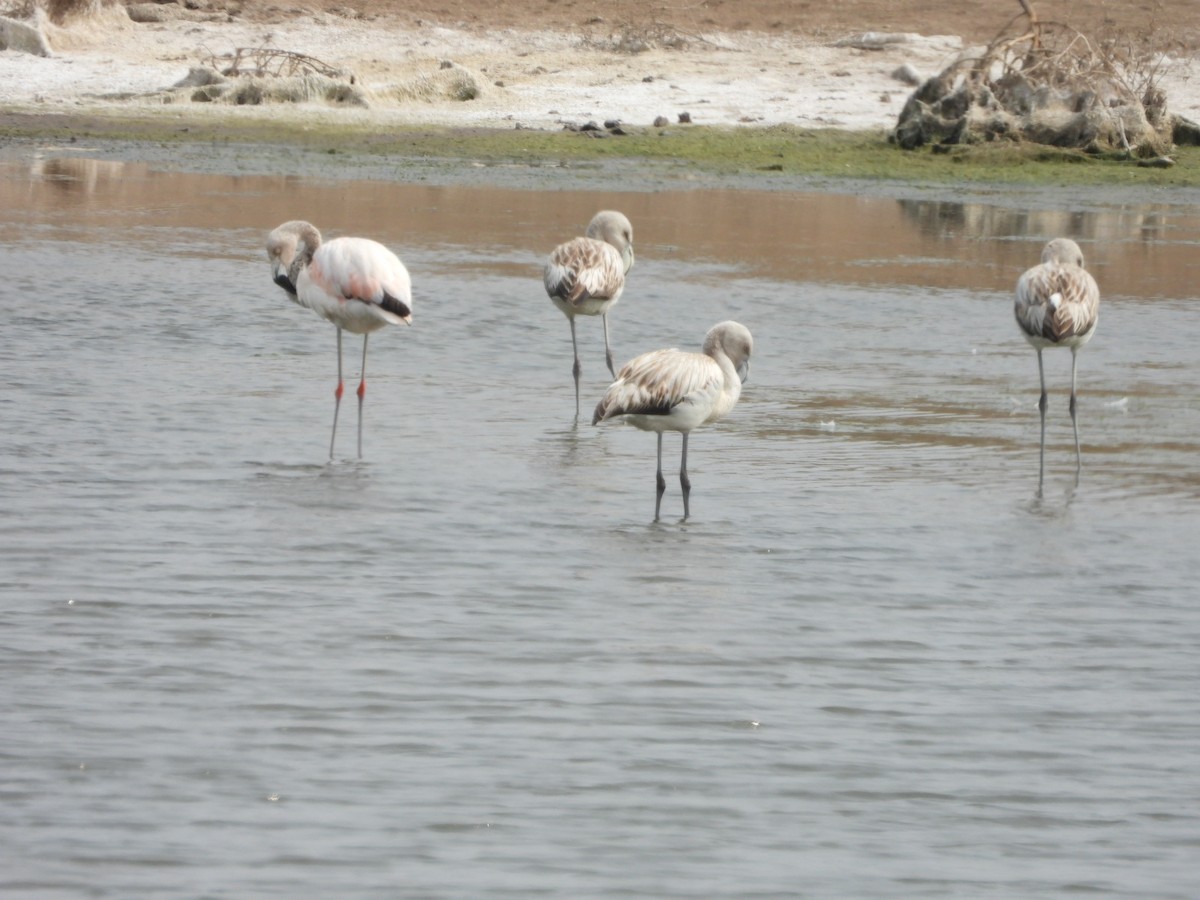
<point>654,383</point>
<point>584,268</point>
<point>1075,313</point>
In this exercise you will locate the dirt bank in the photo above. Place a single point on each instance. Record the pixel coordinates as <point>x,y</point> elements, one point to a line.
<point>543,64</point>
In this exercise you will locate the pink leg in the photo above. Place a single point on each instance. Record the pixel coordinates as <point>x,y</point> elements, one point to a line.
<point>337,394</point>
<point>362,392</point>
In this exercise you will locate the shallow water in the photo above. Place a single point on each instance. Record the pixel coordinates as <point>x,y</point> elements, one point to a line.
<point>872,663</point>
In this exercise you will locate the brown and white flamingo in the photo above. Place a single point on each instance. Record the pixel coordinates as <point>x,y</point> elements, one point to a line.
<point>673,390</point>
<point>1058,305</point>
<point>586,275</point>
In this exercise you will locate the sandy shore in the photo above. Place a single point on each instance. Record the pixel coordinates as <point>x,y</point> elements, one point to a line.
<point>528,79</point>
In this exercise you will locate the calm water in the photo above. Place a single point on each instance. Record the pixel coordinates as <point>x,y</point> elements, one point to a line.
<point>873,663</point>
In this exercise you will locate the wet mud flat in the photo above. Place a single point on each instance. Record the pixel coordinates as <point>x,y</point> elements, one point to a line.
<point>777,159</point>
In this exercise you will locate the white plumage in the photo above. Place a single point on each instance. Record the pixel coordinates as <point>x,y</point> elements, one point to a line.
<point>357,284</point>
<point>674,390</point>
<point>1057,305</point>
<point>586,275</point>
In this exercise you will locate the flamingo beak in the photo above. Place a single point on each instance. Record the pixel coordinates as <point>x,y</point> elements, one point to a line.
<point>281,278</point>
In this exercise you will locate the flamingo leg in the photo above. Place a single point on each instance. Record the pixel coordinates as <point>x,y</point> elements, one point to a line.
<point>1074,424</point>
<point>362,392</point>
<point>659,481</point>
<point>576,369</point>
<point>608,354</point>
<point>1042,409</point>
<point>684,482</point>
<point>337,394</point>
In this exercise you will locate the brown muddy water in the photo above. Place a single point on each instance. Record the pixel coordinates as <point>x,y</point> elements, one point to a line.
<point>872,663</point>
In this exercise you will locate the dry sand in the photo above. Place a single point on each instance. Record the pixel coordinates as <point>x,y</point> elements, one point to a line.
<point>528,78</point>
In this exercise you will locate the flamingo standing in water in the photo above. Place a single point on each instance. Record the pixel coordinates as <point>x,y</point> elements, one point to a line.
<point>586,275</point>
<point>357,284</point>
<point>672,390</point>
<point>1058,305</point>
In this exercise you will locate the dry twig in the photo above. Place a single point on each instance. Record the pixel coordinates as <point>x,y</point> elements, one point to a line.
<point>262,62</point>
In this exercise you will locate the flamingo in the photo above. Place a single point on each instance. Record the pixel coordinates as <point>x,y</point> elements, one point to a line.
<point>357,284</point>
<point>586,275</point>
<point>673,390</point>
<point>1058,305</point>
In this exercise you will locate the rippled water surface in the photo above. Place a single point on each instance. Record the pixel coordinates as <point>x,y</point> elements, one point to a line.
<point>872,663</point>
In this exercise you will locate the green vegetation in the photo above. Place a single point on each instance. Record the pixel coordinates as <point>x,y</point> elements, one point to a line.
<point>765,152</point>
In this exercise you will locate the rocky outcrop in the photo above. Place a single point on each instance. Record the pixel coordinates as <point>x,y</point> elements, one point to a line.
<point>1044,88</point>
<point>23,37</point>
<point>956,110</point>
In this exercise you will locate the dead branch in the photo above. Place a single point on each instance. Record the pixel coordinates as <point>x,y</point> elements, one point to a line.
<point>269,62</point>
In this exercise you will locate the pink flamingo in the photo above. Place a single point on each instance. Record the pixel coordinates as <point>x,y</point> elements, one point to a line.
<point>357,284</point>
<point>586,275</point>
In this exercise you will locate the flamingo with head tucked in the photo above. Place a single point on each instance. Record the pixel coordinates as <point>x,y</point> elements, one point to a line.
<point>357,284</point>
<point>672,390</point>
<point>1058,305</point>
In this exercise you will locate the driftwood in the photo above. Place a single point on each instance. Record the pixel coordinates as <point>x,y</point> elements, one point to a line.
<point>269,62</point>
<point>1046,83</point>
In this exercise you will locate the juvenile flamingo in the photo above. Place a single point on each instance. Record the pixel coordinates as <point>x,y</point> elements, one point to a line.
<point>1058,305</point>
<point>586,275</point>
<point>357,284</point>
<point>672,390</point>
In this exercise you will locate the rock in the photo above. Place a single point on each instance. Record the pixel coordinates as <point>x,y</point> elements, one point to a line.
<point>911,132</point>
<point>979,97</point>
<point>907,74</point>
<point>661,121</point>
<point>610,124</point>
<point>874,40</point>
<point>685,118</point>
<point>154,13</point>
<point>1185,131</point>
<point>200,76</point>
<point>23,37</point>
<point>951,111</point>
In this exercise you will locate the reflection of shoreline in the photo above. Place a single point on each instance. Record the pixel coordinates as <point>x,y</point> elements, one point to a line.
<point>979,221</point>
<point>1135,249</point>
<point>73,174</point>
<point>1127,246</point>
